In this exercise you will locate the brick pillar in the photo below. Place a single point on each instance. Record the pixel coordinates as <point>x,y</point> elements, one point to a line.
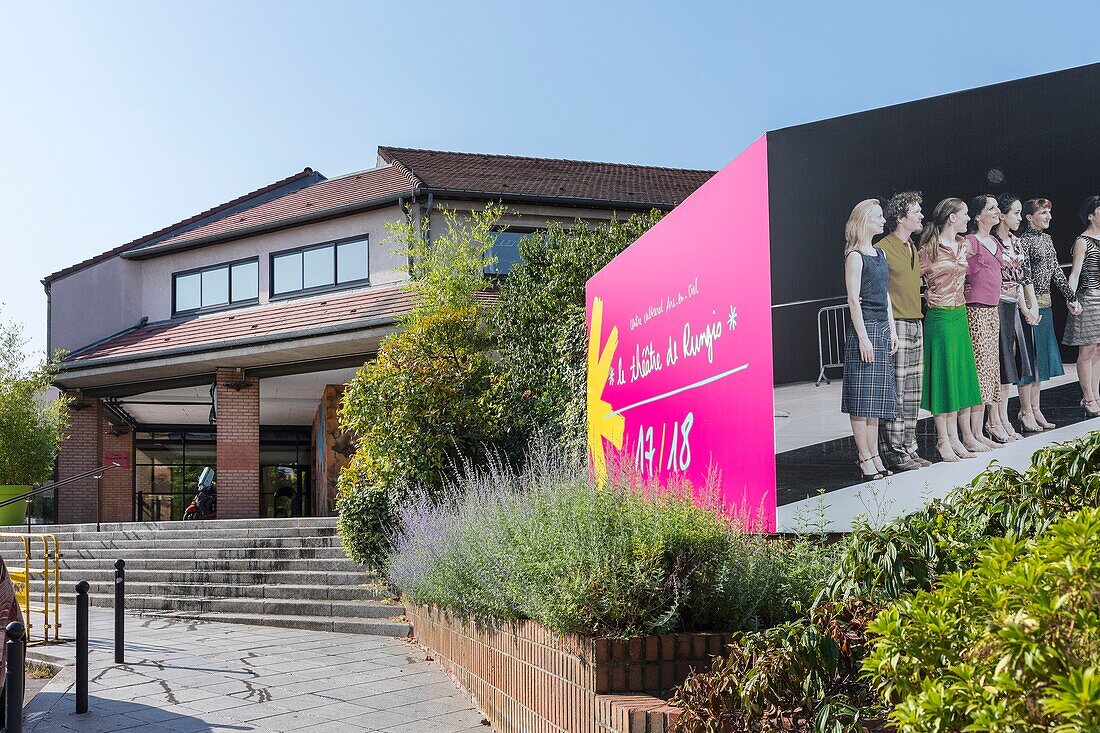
<point>117,489</point>
<point>238,400</point>
<point>81,449</point>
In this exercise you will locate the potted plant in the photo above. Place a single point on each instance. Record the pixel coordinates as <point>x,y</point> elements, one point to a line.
<point>31,421</point>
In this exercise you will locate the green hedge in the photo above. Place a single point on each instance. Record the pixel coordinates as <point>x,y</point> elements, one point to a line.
<point>878,566</point>
<point>1011,645</point>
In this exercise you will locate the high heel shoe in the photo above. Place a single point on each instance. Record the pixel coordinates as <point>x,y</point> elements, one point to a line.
<point>947,453</point>
<point>998,437</point>
<point>1043,422</point>
<point>1089,413</point>
<point>869,476</point>
<point>1027,420</point>
<point>886,471</point>
<point>961,450</point>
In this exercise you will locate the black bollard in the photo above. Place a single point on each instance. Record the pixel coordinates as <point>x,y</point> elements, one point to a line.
<point>13,678</point>
<point>120,611</point>
<point>82,647</point>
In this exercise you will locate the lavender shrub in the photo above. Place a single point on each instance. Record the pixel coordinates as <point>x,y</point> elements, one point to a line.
<point>545,544</point>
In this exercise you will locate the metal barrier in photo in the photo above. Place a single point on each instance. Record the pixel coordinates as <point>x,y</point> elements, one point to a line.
<point>832,321</point>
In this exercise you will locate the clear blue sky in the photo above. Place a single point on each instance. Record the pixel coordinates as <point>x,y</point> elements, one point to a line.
<point>119,118</point>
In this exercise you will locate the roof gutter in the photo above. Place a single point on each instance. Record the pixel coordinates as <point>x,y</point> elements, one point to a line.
<point>271,226</point>
<point>300,219</point>
<point>361,325</point>
<point>567,201</point>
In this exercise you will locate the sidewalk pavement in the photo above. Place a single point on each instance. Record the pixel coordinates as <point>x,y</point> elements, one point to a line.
<point>198,677</point>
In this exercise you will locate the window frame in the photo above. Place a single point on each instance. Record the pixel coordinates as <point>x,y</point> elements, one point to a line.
<point>332,245</point>
<point>523,231</point>
<point>228,267</point>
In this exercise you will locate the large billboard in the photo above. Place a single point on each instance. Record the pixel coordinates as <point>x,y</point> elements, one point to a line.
<point>680,346</point>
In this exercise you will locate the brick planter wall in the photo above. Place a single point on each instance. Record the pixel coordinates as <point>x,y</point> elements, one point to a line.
<point>527,679</point>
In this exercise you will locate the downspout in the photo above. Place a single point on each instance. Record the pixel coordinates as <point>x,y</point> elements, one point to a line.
<point>49,320</point>
<point>408,220</point>
<point>428,220</point>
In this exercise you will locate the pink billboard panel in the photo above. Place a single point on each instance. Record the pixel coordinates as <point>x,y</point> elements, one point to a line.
<point>680,346</point>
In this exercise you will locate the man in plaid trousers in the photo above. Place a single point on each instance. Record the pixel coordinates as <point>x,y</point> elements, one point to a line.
<point>898,438</point>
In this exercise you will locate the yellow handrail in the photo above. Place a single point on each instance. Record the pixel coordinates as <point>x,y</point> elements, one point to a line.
<point>51,562</point>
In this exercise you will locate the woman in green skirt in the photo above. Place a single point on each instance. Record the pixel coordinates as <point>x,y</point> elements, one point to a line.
<point>950,374</point>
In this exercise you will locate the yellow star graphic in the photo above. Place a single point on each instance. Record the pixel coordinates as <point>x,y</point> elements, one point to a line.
<point>602,421</point>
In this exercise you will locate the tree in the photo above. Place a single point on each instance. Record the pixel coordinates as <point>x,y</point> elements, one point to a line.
<point>540,326</point>
<point>431,398</point>
<point>31,425</point>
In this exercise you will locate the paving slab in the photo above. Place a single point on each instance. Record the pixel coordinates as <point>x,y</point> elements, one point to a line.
<point>194,676</point>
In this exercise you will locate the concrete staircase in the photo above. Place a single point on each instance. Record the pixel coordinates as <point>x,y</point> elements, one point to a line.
<point>268,572</point>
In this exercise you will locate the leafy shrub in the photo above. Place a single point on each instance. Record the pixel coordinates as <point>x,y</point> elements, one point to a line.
<point>366,515</point>
<point>1011,645</point>
<point>432,393</point>
<point>911,552</point>
<point>744,691</point>
<point>544,544</point>
<point>800,676</point>
<point>540,325</point>
<point>30,426</point>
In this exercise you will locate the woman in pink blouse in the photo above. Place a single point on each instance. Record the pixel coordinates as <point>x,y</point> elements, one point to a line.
<point>950,376</point>
<point>984,260</point>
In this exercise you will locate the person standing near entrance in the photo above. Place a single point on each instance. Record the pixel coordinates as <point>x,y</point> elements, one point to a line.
<point>898,438</point>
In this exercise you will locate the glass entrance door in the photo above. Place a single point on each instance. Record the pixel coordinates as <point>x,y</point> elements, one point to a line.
<point>285,486</point>
<point>166,469</point>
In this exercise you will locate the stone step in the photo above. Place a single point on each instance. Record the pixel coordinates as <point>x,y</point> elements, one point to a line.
<point>106,588</point>
<point>374,627</point>
<point>244,565</point>
<point>222,577</point>
<point>256,606</point>
<point>15,560</point>
<point>192,532</point>
<point>260,606</point>
<point>169,542</point>
<point>205,524</point>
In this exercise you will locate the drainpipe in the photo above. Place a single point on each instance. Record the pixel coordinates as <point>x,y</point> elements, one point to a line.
<point>428,220</point>
<point>49,321</point>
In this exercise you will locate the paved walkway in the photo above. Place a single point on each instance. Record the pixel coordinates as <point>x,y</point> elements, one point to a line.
<point>194,677</point>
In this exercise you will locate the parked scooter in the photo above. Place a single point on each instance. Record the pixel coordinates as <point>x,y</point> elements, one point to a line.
<point>204,505</point>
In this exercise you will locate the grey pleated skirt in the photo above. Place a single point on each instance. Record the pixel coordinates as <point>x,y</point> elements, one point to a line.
<point>1084,329</point>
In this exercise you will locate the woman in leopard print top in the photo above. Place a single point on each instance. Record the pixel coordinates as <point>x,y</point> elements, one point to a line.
<point>1044,270</point>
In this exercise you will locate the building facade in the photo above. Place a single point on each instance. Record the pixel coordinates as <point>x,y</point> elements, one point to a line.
<point>225,340</point>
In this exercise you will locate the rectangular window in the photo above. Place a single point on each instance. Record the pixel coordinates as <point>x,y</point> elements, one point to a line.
<point>351,261</point>
<point>288,272</point>
<point>320,267</point>
<point>188,292</point>
<point>317,268</point>
<point>506,251</point>
<point>213,287</point>
<point>246,281</point>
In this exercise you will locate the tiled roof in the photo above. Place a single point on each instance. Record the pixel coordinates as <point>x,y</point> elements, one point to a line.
<point>515,176</point>
<point>322,199</point>
<point>306,173</point>
<point>373,306</point>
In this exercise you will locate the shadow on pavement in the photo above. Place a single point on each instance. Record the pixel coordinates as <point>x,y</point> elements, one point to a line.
<point>55,712</point>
